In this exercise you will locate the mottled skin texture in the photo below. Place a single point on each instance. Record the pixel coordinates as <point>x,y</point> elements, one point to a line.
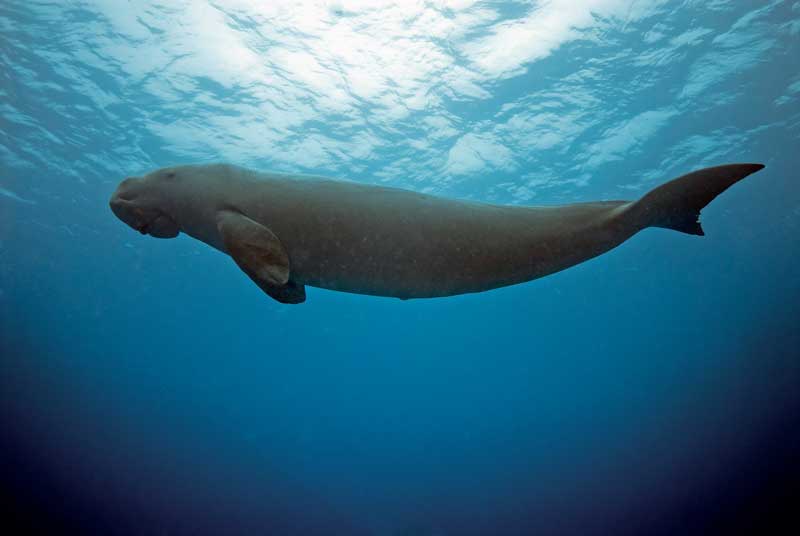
<point>375,240</point>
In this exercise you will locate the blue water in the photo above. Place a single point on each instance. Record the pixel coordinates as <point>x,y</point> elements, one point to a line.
<point>148,387</point>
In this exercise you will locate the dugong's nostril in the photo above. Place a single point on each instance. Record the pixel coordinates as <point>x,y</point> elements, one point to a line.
<point>115,203</point>
<point>118,201</point>
<point>124,191</point>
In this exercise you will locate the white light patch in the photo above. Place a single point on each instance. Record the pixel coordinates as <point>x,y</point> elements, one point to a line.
<point>619,140</point>
<point>474,152</point>
<point>550,24</point>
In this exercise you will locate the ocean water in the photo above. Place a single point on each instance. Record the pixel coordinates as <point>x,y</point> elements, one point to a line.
<point>148,387</point>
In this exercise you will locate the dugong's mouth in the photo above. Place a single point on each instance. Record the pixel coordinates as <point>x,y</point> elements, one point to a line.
<point>145,220</point>
<point>144,225</point>
<point>161,227</point>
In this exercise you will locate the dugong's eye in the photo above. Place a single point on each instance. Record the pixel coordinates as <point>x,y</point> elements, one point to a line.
<point>170,175</point>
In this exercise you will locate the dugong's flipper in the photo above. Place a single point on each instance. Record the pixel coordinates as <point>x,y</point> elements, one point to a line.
<point>260,254</point>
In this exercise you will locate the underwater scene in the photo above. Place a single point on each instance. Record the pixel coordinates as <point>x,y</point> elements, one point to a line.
<point>400,267</point>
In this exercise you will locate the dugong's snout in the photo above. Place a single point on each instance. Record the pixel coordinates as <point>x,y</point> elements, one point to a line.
<point>139,211</point>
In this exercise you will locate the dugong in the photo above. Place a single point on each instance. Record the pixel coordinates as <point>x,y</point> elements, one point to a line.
<point>289,231</point>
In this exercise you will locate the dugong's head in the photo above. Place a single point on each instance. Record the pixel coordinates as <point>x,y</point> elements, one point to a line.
<point>147,203</point>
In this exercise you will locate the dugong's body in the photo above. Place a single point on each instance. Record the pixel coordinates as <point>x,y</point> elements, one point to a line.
<point>289,231</point>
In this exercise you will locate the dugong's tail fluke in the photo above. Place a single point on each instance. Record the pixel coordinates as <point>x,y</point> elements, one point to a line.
<point>677,204</point>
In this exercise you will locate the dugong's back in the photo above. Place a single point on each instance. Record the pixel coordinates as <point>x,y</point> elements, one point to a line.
<point>392,242</point>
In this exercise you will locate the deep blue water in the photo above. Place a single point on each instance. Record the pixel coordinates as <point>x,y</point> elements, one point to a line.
<point>147,386</point>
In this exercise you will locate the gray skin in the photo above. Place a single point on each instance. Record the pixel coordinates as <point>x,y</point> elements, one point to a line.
<point>288,231</point>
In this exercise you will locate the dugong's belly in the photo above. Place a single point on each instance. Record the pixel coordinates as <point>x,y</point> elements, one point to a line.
<point>413,251</point>
<point>389,242</point>
<point>413,260</point>
<point>401,257</point>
